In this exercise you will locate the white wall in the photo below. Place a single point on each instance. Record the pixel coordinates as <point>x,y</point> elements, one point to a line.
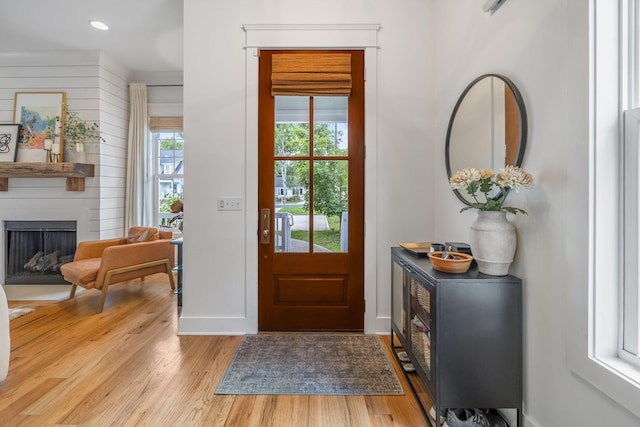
<point>165,100</point>
<point>220,247</point>
<point>97,89</point>
<point>114,125</point>
<point>543,46</point>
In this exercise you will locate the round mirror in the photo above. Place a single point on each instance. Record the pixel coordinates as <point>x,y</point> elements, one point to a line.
<point>487,129</point>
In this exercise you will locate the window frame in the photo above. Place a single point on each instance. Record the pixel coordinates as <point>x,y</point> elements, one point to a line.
<point>629,348</point>
<point>594,306</point>
<point>158,176</point>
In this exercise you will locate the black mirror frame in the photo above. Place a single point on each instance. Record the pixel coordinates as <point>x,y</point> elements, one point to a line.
<point>523,126</point>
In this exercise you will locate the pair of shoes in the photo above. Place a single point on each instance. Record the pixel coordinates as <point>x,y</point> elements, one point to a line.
<point>408,367</point>
<point>403,356</point>
<point>473,418</point>
<point>443,414</point>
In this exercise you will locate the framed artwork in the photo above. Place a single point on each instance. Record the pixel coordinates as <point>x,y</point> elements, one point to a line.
<point>39,114</point>
<point>9,134</point>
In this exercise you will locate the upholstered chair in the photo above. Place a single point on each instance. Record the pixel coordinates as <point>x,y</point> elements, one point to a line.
<point>99,264</point>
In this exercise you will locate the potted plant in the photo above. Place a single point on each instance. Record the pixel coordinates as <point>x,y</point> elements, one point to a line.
<point>77,132</point>
<point>492,236</point>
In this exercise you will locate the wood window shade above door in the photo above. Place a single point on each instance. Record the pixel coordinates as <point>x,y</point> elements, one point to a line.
<point>305,74</point>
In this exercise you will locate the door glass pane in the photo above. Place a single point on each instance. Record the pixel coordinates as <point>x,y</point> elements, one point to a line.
<point>330,126</point>
<point>292,126</point>
<point>330,205</point>
<point>292,213</point>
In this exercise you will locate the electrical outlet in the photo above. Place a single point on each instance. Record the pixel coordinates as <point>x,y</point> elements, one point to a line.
<point>229,203</point>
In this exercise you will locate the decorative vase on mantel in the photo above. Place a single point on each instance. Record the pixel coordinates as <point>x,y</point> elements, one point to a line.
<point>493,242</point>
<point>76,153</point>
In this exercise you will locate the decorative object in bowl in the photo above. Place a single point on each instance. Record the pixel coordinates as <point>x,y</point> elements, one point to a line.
<point>457,262</point>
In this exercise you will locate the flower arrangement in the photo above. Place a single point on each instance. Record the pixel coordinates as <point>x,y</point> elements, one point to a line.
<point>494,187</point>
<point>77,130</point>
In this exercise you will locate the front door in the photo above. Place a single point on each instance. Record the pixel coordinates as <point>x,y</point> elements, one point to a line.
<point>311,190</point>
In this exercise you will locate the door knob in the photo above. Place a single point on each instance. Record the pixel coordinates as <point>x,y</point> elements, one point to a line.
<point>265,226</point>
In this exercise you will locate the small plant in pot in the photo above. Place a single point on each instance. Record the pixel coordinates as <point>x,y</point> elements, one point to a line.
<point>77,132</point>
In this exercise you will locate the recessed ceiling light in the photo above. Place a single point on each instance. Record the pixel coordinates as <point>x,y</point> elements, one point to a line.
<point>99,25</point>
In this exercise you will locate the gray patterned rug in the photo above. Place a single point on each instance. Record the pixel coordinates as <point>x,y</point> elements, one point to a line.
<point>317,364</point>
<point>14,313</point>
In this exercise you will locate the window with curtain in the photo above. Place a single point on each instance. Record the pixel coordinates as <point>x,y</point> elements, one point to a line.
<point>168,141</point>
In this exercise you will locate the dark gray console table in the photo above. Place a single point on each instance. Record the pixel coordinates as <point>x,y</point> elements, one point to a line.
<point>462,333</point>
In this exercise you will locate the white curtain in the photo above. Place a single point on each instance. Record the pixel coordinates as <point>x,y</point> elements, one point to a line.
<point>139,204</point>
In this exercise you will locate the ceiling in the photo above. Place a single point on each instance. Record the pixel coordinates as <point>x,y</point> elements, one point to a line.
<point>144,36</point>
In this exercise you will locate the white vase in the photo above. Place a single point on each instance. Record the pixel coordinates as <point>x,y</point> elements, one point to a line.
<point>493,242</point>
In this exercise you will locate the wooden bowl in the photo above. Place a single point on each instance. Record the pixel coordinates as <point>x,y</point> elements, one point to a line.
<point>457,263</point>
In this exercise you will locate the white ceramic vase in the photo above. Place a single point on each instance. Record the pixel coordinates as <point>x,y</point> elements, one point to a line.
<point>493,242</point>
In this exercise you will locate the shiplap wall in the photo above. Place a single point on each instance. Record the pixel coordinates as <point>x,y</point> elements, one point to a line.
<point>96,88</point>
<point>114,120</point>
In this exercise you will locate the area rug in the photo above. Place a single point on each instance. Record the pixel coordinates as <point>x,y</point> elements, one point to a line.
<point>14,313</point>
<point>310,364</point>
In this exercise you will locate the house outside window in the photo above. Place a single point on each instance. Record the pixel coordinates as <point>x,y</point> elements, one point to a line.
<point>169,145</point>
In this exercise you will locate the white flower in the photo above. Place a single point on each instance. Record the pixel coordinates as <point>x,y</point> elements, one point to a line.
<point>514,178</point>
<point>464,177</point>
<point>493,187</point>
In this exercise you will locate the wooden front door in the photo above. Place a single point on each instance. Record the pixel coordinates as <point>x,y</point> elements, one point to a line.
<point>311,200</point>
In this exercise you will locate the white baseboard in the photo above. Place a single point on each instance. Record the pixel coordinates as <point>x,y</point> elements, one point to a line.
<point>192,325</point>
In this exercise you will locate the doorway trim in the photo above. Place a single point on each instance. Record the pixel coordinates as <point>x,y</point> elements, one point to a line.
<point>294,36</point>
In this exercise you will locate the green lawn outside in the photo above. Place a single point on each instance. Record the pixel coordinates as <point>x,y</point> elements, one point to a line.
<point>329,239</point>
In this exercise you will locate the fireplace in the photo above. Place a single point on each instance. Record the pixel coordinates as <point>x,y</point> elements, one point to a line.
<point>35,250</point>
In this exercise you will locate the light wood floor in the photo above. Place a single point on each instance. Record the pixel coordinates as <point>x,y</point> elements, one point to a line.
<point>128,367</point>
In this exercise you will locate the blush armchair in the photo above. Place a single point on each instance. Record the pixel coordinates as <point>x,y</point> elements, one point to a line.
<point>101,263</point>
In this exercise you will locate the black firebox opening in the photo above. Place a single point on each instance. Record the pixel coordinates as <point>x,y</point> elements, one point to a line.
<point>35,250</point>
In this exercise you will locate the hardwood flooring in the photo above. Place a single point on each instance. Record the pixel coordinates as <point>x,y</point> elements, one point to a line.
<point>128,367</point>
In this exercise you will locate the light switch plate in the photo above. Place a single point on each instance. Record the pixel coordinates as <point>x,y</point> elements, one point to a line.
<point>229,203</point>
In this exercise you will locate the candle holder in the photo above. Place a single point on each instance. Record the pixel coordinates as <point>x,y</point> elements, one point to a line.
<point>55,153</point>
<point>48,144</point>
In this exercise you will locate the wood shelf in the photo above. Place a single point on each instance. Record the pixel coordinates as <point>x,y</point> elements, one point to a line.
<point>74,172</point>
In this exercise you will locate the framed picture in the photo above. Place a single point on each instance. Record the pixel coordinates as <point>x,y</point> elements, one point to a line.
<point>39,114</point>
<point>9,134</point>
